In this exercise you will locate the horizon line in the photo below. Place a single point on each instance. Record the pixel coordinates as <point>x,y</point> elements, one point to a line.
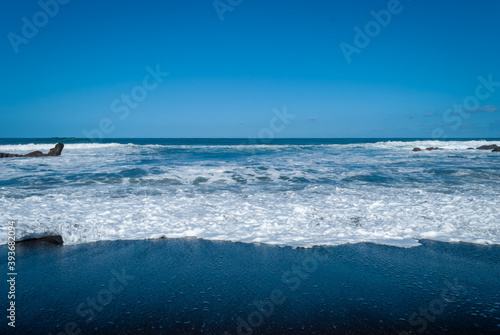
<point>243,138</point>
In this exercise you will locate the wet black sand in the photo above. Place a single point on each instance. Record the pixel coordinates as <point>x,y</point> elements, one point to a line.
<point>190,286</point>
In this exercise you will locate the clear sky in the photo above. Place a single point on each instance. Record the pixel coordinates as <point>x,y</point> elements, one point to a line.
<point>353,68</point>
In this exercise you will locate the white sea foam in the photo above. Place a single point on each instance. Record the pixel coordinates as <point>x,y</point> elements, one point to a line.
<point>317,215</point>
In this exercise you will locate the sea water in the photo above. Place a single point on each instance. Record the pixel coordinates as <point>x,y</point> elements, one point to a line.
<point>290,192</point>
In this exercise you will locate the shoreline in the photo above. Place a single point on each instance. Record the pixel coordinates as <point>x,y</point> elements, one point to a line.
<point>36,241</point>
<point>212,287</point>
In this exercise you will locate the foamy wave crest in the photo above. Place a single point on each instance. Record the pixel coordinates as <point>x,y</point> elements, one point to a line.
<point>25,148</point>
<point>447,145</point>
<point>245,145</point>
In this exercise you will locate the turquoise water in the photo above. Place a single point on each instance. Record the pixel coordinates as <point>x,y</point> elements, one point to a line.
<point>296,192</point>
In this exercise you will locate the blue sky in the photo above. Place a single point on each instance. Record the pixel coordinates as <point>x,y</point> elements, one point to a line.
<point>230,63</point>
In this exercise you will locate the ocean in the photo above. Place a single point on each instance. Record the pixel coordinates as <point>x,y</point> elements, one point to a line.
<point>289,192</point>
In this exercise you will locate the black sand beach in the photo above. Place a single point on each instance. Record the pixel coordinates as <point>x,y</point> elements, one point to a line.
<point>191,286</point>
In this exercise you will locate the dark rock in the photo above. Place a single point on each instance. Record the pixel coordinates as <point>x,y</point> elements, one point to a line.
<point>34,154</point>
<point>433,148</point>
<point>417,149</point>
<point>55,151</point>
<point>487,147</point>
<point>55,239</point>
<point>497,149</point>
<point>470,148</point>
<point>2,155</point>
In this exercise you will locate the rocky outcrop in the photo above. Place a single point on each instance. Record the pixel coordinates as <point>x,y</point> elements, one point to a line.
<point>55,151</point>
<point>493,147</point>
<point>428,149</point>
<point>487,147</point>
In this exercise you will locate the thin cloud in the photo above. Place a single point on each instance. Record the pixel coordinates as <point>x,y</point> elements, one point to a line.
<point>312,118</point>
<point>483,109</point>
